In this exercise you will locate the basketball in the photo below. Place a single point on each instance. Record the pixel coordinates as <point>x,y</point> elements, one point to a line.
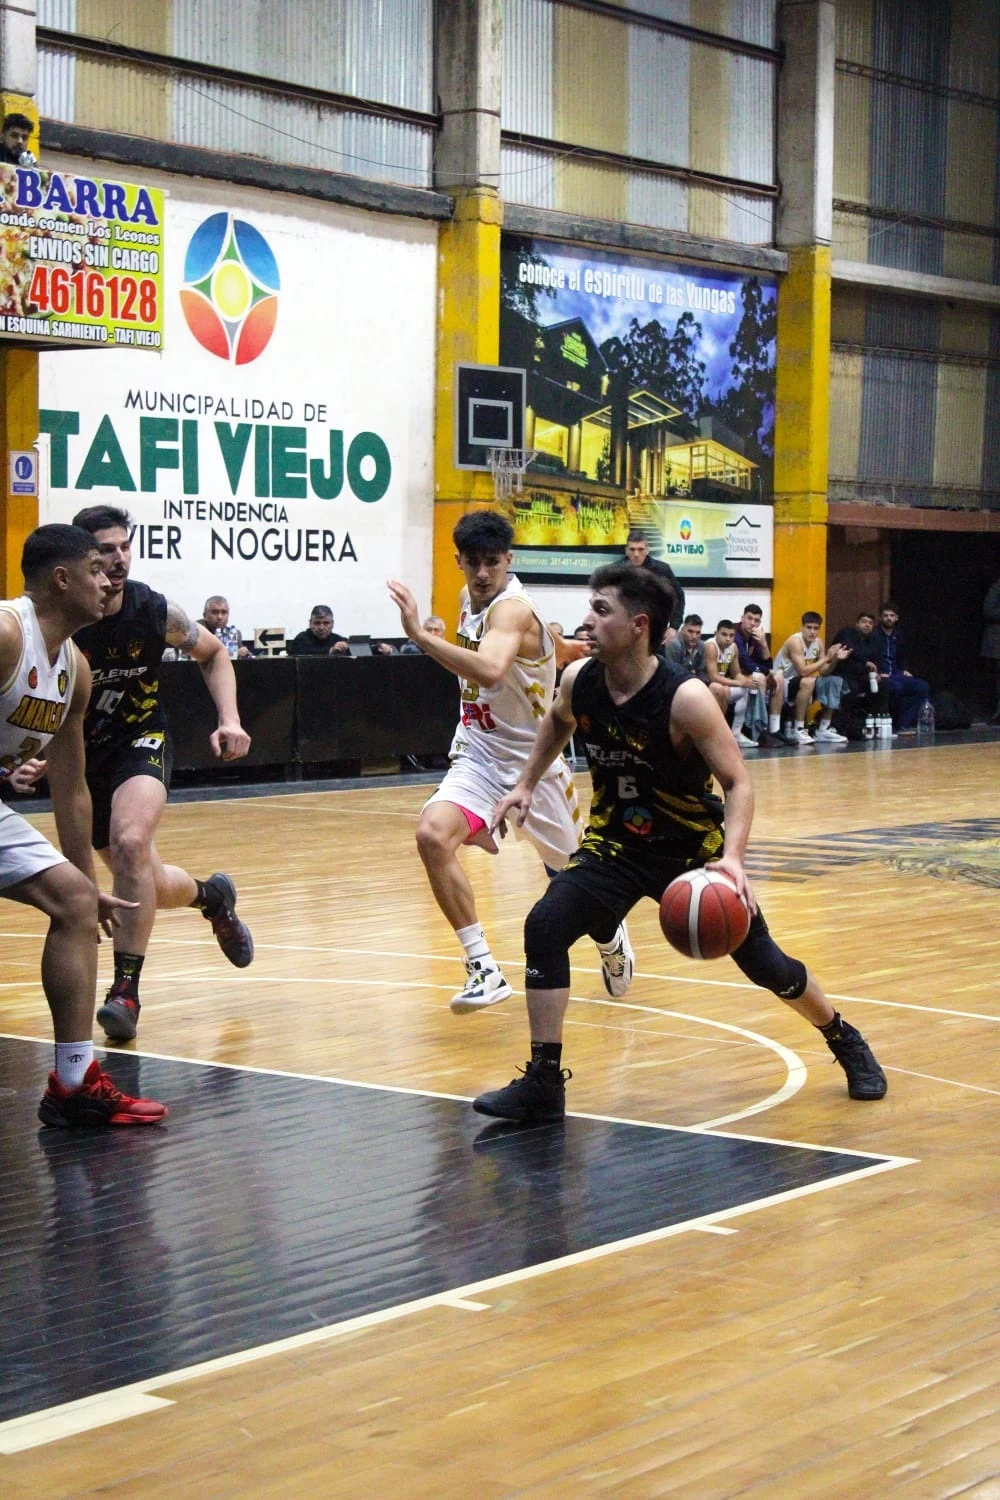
<point>702,915</point>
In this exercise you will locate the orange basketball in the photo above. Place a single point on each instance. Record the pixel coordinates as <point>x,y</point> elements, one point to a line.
<point>703,915</point>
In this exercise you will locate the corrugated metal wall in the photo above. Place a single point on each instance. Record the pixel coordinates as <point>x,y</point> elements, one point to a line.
<point>913,401</point>
<point>617,85</point>
<point>916,155</point>
<point>377,50</point>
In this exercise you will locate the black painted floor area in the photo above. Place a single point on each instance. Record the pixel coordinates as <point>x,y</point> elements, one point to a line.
<point>269,1206</point>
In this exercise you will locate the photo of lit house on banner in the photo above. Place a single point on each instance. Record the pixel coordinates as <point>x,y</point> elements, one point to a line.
<point>649,405</point>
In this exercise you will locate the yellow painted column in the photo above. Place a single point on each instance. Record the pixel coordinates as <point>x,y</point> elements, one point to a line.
<point>801,440</point>
<point>18,430</point>
<point>468,331</point>
<point>18,411</point>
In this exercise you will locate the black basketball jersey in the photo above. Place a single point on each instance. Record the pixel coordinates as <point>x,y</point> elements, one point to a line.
<point>646,796</point>
<point>124,652</point>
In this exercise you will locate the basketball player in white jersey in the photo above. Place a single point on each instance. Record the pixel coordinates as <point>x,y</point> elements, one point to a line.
<point>44,690</point>
<point>721,665</point>
<point>506,664</point>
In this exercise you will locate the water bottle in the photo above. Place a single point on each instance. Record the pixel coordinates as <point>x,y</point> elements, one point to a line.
<point>870,727</point>
<point>925,721</point>
<point>873,681</point>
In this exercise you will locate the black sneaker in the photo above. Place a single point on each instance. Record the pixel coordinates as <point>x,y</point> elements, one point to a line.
<point>232,935</point>
<point>865,1079</point>
<point>119,1015</point>
<point>540,1094</point>
<point>768,741</point>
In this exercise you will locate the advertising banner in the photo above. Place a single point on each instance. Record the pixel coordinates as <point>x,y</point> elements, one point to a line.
<point>279,451</point>
<point>81,259</point>
<point>650,406</point>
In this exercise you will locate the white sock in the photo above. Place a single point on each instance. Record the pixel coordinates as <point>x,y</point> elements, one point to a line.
<point>477,949</point>
<point>72,1061</point>
<point>800,723</point>
<point>610,947</point>
<point>741,699</point>
<point>773,723</point>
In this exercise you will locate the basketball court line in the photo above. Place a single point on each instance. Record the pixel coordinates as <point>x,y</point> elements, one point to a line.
<point>88,1413</point>
<point>76,1417</point>
<point>726,984</point>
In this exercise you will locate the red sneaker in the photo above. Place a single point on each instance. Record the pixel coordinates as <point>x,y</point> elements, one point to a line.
<point>95,1102</point>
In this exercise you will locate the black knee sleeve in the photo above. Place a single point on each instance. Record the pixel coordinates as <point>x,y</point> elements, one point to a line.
<point>565,913</point>
<point>763,962</point>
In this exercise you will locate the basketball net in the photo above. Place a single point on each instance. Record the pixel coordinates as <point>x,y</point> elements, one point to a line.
<point>507,465</point>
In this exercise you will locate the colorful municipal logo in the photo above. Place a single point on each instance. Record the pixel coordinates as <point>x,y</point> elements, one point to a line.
<point>638,820</point>
<point>686,529</point>
<point>231,282</point>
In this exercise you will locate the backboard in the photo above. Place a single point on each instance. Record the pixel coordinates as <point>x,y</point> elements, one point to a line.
<point>489,412</point>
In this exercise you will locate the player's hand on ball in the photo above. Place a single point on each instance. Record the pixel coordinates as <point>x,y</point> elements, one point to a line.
<point>734,871</point>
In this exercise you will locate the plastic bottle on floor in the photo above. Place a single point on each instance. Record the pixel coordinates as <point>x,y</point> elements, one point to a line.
<point>925,721</point>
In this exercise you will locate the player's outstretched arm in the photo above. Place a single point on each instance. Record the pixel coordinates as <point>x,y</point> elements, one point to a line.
<point>230,740</point>
<point>552,737</point>
<point>697,718</point>
<point>509,624</point>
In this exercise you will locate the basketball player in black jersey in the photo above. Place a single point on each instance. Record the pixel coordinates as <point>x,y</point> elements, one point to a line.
<point>654,738</point>
<point>128,769</point>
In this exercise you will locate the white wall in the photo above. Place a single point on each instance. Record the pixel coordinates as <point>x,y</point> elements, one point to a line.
<point>352,352</point>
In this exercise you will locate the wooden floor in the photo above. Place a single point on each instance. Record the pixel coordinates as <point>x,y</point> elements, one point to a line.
<point>840,1344</point>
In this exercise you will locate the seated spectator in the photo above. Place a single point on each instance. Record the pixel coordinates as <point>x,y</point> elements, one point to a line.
<point>580,633</point>
<point>721,665</point>
<point>756,672</point>
<point>857,670</point>
<point>906,692</point>
<point>686,649</point>
<point>215,618</point>
<point>320,638</point>
<point>435,625</point>
<point>802,661</point>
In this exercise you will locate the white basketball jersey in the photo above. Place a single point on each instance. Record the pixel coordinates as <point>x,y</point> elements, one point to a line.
<point>725,656</point>
<point>34,699</point>
<point>498,725</point>
<point>783,661</point>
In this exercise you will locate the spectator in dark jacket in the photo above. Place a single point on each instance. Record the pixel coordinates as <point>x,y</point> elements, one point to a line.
<point>320,639</point>
<point>637,553</point>
<point>906,692</point>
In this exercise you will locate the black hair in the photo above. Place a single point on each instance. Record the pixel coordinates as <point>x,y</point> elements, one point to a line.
<point>482,531</point>
<point>889,604</point>
<point>864,614</point>
<point>95,518</point>
<point>693,620</point>
<point>636,536</point>
<point>641,592</point>
<point>753,609</point>
<point>812,618</point>
<point>16,121</point>
<point>725,625</point>
<point>321,612</point>
<point>48,546</point>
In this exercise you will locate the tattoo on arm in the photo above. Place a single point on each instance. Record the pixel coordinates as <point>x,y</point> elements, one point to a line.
<point>181,631</point>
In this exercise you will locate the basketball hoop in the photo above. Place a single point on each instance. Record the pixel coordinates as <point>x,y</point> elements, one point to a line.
<point>507,465</point>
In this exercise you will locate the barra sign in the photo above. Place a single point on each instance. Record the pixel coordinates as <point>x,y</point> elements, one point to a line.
<point>273,454</point>
<point>81,259</point>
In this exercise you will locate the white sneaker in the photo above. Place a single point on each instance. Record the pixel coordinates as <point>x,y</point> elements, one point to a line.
<point>744,741</point>
<point>482,988</point>
<point>827,735</point>
<point>800,737</point>
<point>618,965</point>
